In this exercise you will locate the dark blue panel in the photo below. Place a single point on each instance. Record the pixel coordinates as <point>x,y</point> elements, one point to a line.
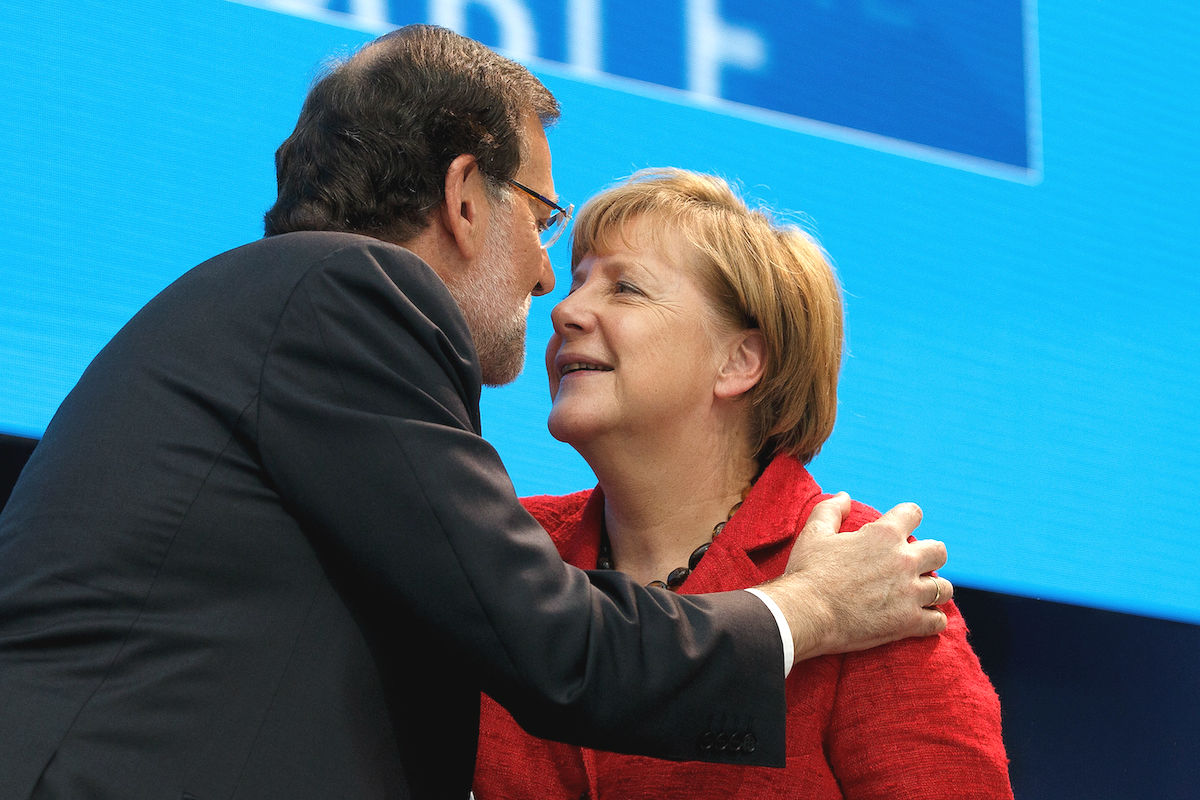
<point>951,76</point>
<point>946,75</point>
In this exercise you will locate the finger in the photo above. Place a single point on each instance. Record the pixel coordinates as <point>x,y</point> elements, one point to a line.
<point>827,515</point>
<point>929,554</point>
<point>903,518</point>
<point>947,593</point>
<point>925,584</point>
<point>933,621</point>
<point>934,591</point>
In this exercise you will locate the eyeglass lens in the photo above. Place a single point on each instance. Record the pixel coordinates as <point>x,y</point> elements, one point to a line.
<point>555,225</point>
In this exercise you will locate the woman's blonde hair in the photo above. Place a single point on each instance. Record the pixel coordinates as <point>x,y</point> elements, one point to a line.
<point>758,274</point>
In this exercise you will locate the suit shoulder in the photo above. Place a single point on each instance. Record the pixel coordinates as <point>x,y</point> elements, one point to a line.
<point>277,264</point>
<point>307,248</point>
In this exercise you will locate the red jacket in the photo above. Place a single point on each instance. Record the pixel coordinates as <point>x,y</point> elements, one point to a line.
<point>909,720</point>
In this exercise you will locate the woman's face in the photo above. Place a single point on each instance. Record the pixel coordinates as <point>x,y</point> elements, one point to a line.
<point>636,347</point>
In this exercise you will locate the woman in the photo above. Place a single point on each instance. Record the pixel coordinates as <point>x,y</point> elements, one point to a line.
<point>694,365</point>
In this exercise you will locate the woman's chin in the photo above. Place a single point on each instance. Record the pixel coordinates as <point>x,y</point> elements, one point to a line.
<point>573,427</point>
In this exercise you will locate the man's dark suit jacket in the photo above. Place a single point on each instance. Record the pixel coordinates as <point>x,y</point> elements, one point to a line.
<point>263,552</point>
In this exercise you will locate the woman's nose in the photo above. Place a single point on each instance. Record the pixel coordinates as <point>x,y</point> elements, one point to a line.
<point>571,313</point>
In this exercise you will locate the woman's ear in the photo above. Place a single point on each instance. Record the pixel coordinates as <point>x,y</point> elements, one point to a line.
<point>745,361</point>
<point>464,211</point>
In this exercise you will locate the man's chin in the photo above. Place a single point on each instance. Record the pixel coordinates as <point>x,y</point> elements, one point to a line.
<point>500,380</point>
<point>502,367</point>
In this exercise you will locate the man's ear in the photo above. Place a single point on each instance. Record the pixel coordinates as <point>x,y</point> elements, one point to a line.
<point>745,361</point>
<point>464,212</point>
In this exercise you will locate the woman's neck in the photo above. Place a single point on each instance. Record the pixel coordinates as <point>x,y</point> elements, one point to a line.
<point>660,505</point>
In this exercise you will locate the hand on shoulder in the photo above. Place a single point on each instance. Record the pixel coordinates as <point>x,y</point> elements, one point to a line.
<point>851,591</point>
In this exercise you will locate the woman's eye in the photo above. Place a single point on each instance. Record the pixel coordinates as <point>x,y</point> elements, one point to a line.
<point>628,288</point>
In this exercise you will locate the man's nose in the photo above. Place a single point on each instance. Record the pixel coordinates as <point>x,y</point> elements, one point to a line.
<point>545,283</point>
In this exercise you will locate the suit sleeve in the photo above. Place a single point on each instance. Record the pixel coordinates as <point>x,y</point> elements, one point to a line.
<point>367,427</point>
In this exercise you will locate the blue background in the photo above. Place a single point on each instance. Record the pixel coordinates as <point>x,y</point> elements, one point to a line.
<point>1022,343</point>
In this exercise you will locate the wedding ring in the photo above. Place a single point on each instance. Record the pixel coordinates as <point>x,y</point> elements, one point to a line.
<point>937,586</point>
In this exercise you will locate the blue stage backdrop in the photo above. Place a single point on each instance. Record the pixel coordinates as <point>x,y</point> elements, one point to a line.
<point>1009,193</point>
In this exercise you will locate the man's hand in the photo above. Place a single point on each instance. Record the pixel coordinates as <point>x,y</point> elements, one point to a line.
<point>851,591</point>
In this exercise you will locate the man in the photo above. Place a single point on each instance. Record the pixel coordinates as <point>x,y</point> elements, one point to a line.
<point>262,550</point>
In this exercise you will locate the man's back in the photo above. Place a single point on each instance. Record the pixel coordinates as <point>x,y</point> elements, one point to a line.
<point>165,621</point>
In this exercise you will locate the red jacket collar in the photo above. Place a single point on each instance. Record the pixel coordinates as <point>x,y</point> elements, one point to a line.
<point>752,548</point>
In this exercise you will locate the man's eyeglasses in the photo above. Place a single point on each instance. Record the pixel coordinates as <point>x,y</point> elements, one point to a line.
<point>552,228</point>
